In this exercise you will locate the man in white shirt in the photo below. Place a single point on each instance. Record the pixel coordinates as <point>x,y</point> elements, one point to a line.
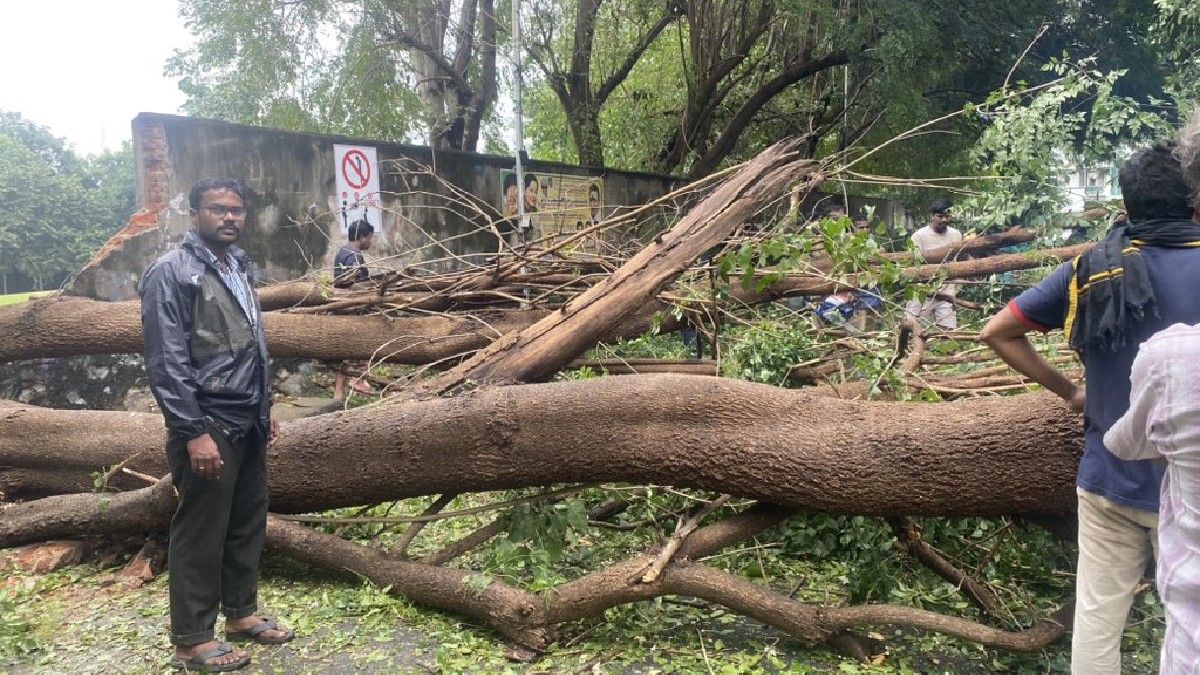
<point>935,235</point>
<point>1163,422</point>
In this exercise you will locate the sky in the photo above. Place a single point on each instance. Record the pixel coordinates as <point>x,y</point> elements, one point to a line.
<point>86,68</point>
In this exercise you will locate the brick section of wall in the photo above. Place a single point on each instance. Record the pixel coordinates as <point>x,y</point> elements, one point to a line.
<point>156,166</point>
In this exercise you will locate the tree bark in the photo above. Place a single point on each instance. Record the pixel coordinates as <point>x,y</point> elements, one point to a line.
<point>513,612</point>
<point>993,456</point>
<point>77,515</point>
<point>68,326</point>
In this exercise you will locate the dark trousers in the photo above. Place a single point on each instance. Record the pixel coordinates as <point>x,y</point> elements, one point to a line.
<point>217,536</point>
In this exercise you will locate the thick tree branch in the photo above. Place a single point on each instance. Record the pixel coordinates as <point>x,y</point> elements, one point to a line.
<point>485,94</point>
<point>795,72</point>
<point>618,76</point>
<point>540,351</point>
<point>579,78</point>
<point>77,515</point>
<point>909,541</point>
<point>445,68</point>
<point>464,45</point>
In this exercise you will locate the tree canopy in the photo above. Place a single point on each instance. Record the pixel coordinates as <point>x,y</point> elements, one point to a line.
<point>680,87</point>
<point>59,207</point>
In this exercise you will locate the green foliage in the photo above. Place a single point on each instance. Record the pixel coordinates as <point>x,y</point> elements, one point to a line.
<point>16,630</point>
<point>584,373</point>
<point>649,346</point>
<point>766,350</point>
<point>772,340</point>
<point>345,623</point>
<point>537,536</point>
<point>1177,33</point>
<point>329,66</point>
<point>59,208</point>
<point>717,82</point>
<point>1035,138</point>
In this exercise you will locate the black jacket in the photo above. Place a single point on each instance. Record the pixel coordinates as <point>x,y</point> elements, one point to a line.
<point>204,358</point>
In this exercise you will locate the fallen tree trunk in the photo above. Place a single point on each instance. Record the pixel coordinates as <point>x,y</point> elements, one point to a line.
<point>537,353</point>
<point>69,326</point>
<point>78,515</point>
<point>294,294</point>
<point>974,247</point>
<point>811,284</point>
<point>1011,455</point>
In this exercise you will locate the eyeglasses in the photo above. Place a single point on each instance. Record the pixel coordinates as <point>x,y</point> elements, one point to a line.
<point>218,211</point>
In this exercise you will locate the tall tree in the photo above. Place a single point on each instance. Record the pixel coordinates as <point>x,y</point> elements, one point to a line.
<point>58,206</point>
<point>671,86</point>
<point>582,74</point>
<point>360,67</point>
<point>454,62</point>
<point>729,78</point>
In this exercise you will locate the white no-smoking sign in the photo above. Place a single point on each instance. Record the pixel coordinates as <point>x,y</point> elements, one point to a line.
<point>356,171</point>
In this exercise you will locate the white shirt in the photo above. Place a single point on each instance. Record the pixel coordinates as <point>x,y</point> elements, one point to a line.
<point>1163,421</point>
<point>927,240</point>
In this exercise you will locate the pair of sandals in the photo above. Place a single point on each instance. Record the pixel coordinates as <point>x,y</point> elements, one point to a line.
<point>199,662</point>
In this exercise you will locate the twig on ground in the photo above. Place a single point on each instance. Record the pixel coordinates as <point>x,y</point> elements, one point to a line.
<point>413,530</point>
<point>431,517</point>
<point>685,528</point>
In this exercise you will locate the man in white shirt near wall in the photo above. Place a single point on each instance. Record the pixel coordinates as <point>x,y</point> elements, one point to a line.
<point>935,235</point>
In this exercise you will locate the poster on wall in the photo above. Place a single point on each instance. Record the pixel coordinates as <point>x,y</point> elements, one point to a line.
<point>558,205</point>
<point>356,170</point>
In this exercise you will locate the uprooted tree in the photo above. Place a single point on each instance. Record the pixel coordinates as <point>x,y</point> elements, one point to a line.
<point>482,424</point>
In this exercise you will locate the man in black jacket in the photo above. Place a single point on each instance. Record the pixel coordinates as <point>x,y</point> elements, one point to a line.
<point>206,358</point>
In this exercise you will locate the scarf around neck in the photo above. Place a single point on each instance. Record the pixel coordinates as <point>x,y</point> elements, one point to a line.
<point>1110,291</point>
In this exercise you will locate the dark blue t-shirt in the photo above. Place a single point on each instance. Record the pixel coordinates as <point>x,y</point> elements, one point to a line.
<point>350,266</point>
<point>1175,277</point>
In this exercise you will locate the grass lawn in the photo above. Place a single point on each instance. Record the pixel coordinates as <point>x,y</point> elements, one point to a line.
<point>14,298</point>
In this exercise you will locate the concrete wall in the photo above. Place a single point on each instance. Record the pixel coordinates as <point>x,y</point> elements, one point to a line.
<point>294,226</point>
<point>118,382</point>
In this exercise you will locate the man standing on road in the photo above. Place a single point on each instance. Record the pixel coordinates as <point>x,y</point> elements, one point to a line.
<point>206,358</point>
<point>935,235</point>
<point>1140,279</point>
